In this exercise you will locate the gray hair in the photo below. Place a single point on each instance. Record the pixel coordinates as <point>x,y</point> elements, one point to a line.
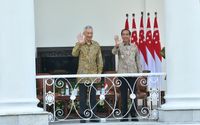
<point>87,27</point>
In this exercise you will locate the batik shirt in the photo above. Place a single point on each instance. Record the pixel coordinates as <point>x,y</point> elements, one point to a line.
<point>90,59</point>
<point>128,58</point>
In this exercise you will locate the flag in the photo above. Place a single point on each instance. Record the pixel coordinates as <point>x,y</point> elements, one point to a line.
<point>150,55</point>
<point>134,38</point>
<point>142,45</point>
<point>126,22</point>
<point>150,47</point>
<point>157,46</point>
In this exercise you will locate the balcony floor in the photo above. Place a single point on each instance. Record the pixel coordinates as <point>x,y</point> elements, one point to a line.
<point>121,123</point>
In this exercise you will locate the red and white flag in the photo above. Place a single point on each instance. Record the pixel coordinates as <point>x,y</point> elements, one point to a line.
<point>157,46</point>
<point>142,45</point>
<point>126,22</point>
<point>150,47</point>
<point>150,55</point>
<point>134,38</point>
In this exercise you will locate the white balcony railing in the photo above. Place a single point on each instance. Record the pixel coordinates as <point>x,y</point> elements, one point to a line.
<point>60,96</point>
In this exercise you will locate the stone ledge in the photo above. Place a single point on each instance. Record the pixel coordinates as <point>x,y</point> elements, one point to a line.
<point>25,119</point>
<point>179,116</point>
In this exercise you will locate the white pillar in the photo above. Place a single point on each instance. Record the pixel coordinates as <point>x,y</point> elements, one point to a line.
<point>17,62</point>
<point>183,61</point>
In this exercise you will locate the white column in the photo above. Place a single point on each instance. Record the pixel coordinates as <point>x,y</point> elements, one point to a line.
<point>17,59</point>
<point>183,61</point>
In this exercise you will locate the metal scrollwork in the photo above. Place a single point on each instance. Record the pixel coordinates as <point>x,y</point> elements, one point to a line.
<point>108,98</point>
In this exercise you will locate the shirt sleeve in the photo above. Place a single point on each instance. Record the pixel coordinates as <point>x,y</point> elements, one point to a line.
<point>137,58</point>
<point>99,61</point>
<point>76,50</point>
<point>115,50</point>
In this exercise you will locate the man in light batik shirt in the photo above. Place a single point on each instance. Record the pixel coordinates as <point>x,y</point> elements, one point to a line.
<point>128,62</point>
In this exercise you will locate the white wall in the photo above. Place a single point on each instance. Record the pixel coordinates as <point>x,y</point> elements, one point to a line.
<point>59,21</point>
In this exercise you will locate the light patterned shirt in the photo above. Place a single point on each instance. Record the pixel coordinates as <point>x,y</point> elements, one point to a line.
<point>90,58</point>
<point>128,58</point>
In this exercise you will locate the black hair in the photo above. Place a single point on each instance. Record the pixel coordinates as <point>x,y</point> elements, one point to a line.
<point>125,30</point>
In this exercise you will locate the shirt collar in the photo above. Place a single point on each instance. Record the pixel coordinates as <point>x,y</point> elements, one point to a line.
<point>86,43</point>
<point>126,44</point>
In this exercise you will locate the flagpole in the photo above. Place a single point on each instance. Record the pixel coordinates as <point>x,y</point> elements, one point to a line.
<point>127,15</point>
<point>126,22</point>
<point>156,14</point>
<point>148,14</point>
